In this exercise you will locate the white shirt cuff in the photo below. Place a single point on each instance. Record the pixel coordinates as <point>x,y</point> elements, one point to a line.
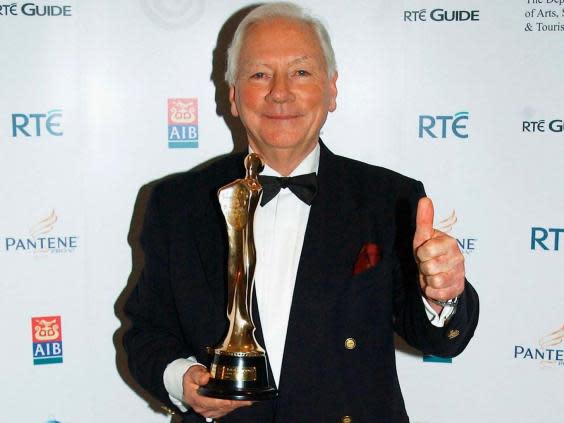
<point>173,377</point>
<point>436,319</point>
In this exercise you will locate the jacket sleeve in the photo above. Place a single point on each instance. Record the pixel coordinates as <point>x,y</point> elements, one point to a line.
<point>154,339</point>
<point>410,319</point>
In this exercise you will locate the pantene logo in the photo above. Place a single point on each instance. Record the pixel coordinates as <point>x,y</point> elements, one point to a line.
<point>43,238</point>
<point>467,245</point>
<point>549,352</point>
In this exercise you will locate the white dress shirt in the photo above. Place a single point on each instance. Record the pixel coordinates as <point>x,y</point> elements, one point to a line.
<point>279,229</point>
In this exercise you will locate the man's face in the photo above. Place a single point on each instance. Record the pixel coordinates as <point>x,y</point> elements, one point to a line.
<point>282,93</point>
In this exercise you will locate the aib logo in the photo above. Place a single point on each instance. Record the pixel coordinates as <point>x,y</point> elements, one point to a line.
<point>444,126</point>
<point>47,339</point>
<point>182,123</point>
<point>37,124</point>
<point>547,239</point>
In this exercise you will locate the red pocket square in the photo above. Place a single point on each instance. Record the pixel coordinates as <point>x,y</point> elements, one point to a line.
<point>369,256</point>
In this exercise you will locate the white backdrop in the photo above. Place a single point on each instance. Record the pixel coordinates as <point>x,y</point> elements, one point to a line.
<point>68,200</point>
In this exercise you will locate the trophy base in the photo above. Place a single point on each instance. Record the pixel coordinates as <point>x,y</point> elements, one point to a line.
<point>230,393</point>
<point>239,378</point>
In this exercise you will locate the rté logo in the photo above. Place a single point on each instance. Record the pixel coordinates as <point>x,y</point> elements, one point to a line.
<point>35,124</point>
<point>540,238</point>
<point>444,125</point>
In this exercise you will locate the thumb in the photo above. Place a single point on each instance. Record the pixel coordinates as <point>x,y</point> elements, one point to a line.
<point>423,222</point>
<point>203,377</point>
<point>199,375</point>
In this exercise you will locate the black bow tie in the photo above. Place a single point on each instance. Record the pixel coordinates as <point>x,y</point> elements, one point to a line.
<point>303,186</point>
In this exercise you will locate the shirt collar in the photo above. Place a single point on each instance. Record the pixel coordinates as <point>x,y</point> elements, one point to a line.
<point>308,165</point>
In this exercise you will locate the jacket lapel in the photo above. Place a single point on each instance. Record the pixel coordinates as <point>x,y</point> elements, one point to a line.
<point>211,235</point>
<point>330,239</point>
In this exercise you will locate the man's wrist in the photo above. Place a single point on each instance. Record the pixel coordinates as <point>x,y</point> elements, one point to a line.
<point>439,318</point>
<point>448,303</point>
<point>173,379</point>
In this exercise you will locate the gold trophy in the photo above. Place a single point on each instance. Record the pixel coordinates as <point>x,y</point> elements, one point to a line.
<point>239,370</point>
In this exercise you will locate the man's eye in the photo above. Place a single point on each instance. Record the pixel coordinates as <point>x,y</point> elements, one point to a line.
<point>258,75</point>
<point>302,72</point>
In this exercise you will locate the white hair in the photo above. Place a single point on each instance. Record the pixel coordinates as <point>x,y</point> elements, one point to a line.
<point>278,10</point>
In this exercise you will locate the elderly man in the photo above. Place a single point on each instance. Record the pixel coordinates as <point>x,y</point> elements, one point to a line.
<point>337,272</point>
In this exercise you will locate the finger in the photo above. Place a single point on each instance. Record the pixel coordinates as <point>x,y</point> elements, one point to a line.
<point>208,407</point>
<point>423,222</point>
<point>443,294</point>
<point>227,406</point>
<point>439,281</point>
<point>447,283</point>
<point>204,404</point>
<point>435,266</point>
<point>238,404</point>
<point>439,245</point>
<point>444,263</point>
<point>215,408</point>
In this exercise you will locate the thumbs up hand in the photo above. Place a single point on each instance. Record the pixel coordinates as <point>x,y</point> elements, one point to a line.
<point>440,262</point>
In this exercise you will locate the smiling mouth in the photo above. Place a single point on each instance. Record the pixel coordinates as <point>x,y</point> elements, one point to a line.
<point>281,117</point>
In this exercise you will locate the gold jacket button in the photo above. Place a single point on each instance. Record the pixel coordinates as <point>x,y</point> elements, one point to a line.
<point>168,410</point>
<point>350,344</point>
<point>453,333</point>
<point>346,419</point>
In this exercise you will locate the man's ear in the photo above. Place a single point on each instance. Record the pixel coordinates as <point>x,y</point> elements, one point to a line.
<point>333,92</point>
<point>234,110</point>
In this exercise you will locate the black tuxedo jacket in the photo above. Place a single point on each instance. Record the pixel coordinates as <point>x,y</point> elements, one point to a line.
<point>178,308</point>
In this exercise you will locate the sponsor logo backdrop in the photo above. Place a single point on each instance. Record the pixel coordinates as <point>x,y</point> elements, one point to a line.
<point>466,97</point>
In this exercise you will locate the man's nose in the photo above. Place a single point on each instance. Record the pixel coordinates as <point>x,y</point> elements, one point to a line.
<point>280,90</point>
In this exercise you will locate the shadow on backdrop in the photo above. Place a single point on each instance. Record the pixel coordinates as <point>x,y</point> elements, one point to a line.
<point>238,134</point>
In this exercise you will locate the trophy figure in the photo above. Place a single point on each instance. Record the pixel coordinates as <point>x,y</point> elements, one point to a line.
<point>239,370</point>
